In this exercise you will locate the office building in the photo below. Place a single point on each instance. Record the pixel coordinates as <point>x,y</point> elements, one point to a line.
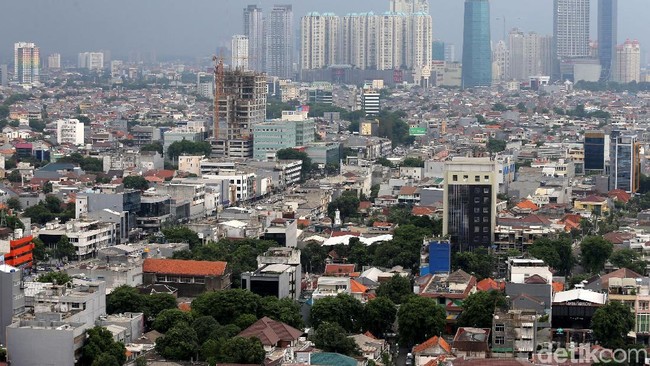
<point>501,61</point>
<point>570,32</point>
<point>280,41</point>
<point>625,161</point>
<point>59,343</point>
<point>241,106</point>
<point>69,131</point>
<point>4,76</point>
<point>93,61</point>
<point>409,6</point>
<point>12,300</point>
<point>469,202</point>
<point>524,55</point>
<point>239,49</point>
<point>594,150</point>
<point>278,273</point>
<point>546,55</point>
<point>254,30</point>
<point>190,277</point>
<point>369,101</point>
<point>627,64</point>
<point>271,136</point>
<point>54,61</point>
<point>319,40</point>
<point>26,63</point>
<point>438,50</point>
<point>607,35</point>
<point>477,53</point>
<point>87,236</point>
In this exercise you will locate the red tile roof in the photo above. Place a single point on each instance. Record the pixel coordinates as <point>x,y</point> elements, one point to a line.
<point>619,195</point>
<point>488,284</point>
<point>592,199</point>
<point>432,342</point>
<point>338,269</point>
<point>270,332</point>
<point>184,267</point>
<point>422,211</point>
<point>357,288</point>
<point>527,205</point>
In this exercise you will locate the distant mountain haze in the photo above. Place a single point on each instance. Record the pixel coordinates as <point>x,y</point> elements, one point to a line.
<point>194,28</point>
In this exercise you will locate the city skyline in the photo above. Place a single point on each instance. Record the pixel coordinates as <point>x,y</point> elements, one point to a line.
<point>170,34</point>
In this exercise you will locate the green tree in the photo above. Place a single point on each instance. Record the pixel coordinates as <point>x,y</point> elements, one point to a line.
<point>245,320</point>
<point>384,162</point>
<point>225,306</point>
<point>595,251</point>
<point>14,204</point>
<point>611,324</point>
<point>155,303</point>
<point>243,351</point>
<point>204,326</point>
<point>419,319</point>
<point>292,154</point>
<point>178,148</point>
<point>495,145</point>
<point>499,107</point>
<point>413,162</point>
<point>106,359</point>
<point>65,249</point>
<point>137,182</point>
<point>182,234</point>
<point>630,259</point>
<point>53,204</point>
<point>59,278</point>
<point>124,299</point>
<point>154,146</point>
<point>479,307</point>
<point>168,318</point>
<point>284,310</point>
<point>15,176</point>
<point>521,106</point>
<point>342,309</point>
<point>379,315</point>
<point>331,337</point>
<point>100,345</point>
<point>397,289</point>
<point>478,262</point>
<point>40,251</point>
<point>179,343</point>
<point>37,125</point>
<point>47,188</point>
<point>556,253</point>
<point>347,204</point>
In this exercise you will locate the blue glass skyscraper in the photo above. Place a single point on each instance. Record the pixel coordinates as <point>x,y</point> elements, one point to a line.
<point>477,54</point>
<point>607,34</point>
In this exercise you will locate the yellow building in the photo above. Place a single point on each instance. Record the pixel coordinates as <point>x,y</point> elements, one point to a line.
<point>592,203</point>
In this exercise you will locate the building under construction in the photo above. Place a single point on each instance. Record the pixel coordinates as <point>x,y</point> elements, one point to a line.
<point>239,104</point>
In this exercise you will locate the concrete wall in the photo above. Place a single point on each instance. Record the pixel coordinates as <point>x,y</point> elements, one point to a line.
<point>42,344</point>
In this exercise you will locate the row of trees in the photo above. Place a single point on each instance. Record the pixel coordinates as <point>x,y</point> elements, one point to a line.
<point>86,163</point>
<point>179,148</point>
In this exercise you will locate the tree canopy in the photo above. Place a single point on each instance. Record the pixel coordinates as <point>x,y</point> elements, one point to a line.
<point>478,262</point>
<point>413,162</point>
<point>178,148</point>
<point>100,345</point>
<point>331,337</point>
<point>611,324</point>
<point>419,319</point>
<point>558,253</point>
<point>89,164</point>
<point>179,343</point>
<point>182,234</point>
<point>479,307</point>
<point>292,154</point>
<point>342,309</point>
<point>630,259</point>
<point>595,251</point>
<point>137,182</point>
<point>379,315</point>
<point>59,278</point>
<point>397,289</point>
<point>347,204</point>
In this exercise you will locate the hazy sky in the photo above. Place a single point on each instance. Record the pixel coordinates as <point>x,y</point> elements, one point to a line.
<point>197,27</point>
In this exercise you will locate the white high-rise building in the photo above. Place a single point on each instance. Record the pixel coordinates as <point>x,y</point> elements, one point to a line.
<point>239,50</point>
<point>388,41</point>
<point>69,131</point>
<point>627,62</point>
<point>26,63</point>
<point>93,61</point>
<point>54,61</point>
<point>501,60</point>
<point>319,44</point>
<point>524,50</point>
<point>279,41</point>
<point>570,31</point>
<point>254,30</point>
<point>409,6</point>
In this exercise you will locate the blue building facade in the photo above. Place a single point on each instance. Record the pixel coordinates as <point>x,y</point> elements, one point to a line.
<point>477,53</point>
<point>607,35</point>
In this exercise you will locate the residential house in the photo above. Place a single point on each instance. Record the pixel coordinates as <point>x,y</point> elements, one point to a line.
<point>472,343</point>
<point>434,349</point>
<point>190,277</point>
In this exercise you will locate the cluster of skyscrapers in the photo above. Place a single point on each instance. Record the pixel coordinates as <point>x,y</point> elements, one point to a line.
<point>398,39</point>
<point>267,42</point>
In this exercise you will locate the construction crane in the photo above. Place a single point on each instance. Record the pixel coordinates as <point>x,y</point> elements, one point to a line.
<point>219,77</point>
